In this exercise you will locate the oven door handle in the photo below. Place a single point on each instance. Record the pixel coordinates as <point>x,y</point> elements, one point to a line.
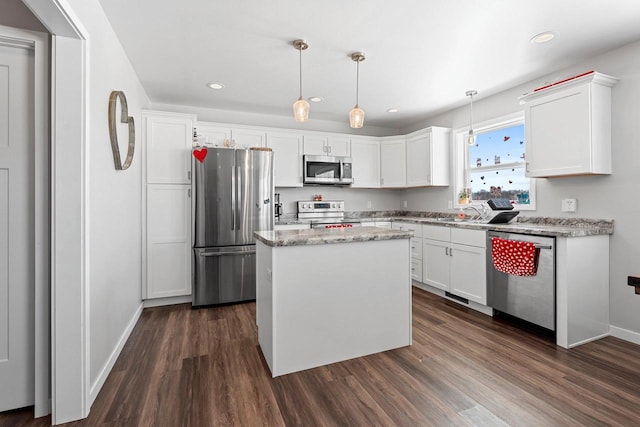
<point>207,254</point>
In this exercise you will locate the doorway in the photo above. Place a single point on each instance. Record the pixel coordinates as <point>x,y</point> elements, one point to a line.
<point>17,227</point>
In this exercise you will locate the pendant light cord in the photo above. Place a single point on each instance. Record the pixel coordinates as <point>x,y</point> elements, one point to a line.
<point>471,115</point>
<point>300,51</point>
<point>357,80</point>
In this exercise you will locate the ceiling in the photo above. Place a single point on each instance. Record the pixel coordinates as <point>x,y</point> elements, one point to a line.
<point>421,55</point>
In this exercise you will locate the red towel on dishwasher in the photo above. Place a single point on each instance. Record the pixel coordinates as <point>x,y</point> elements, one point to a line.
<point>514,257</point>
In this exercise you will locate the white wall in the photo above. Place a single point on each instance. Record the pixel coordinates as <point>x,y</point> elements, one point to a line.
<point>114,197</point>
<point>611,197</point>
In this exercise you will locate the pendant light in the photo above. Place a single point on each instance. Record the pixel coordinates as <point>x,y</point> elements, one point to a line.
<point>471,137</point>
<point>300,107</point>
<point>356,115</point>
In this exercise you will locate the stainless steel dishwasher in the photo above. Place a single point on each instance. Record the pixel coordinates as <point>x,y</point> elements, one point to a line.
<point>530,298</point>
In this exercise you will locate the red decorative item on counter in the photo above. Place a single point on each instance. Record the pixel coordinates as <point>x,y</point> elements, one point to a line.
<point>514,257</point>
<point>200,154</point>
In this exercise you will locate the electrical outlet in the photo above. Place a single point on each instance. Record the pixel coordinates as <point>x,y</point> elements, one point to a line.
<point>449,204</point>
<point>368,204</point>
<point>569,205</point>
<point>405,204</point>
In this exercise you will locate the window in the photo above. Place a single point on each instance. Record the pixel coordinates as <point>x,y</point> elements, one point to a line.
<point>494,167</point>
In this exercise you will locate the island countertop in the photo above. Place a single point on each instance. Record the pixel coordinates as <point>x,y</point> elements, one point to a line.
<point>322,236</point>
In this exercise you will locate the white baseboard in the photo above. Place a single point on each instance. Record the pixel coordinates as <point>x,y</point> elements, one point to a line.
<point>624,334</point>
<point>576,344</point>
<point>157,302</point>
<point>106,369</point>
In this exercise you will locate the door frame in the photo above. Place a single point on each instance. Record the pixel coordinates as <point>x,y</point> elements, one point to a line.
<point>69,226</point>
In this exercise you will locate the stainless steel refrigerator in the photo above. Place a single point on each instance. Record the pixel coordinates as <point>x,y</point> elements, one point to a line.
<point>233,198</point>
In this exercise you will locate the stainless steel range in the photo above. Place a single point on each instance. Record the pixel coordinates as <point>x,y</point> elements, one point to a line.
<point>325,214</point>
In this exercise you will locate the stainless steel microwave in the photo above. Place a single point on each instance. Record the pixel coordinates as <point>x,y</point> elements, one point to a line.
<point>327,170</point>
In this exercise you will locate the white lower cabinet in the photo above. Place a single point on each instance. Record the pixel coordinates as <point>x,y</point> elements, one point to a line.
<point>381,224</point>
<point>168,243</point>
<point>416,247</point>
<point>454,260</point>
<point>291,227</point>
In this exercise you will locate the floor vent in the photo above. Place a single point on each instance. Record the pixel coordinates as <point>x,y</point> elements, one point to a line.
<point>456,297</point>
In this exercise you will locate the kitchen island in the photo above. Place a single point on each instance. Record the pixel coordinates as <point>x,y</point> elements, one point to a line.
<point>328,295</point>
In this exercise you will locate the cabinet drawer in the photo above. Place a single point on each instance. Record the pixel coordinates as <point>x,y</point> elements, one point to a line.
<point>468,237</point>
<point>416,248</point>
<point>436,232</point>
<point>416,270</point>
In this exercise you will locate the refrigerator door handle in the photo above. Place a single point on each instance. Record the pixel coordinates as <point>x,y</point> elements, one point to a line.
<point>238,178</point>
<point>233,197</point>
<point>208,254</point>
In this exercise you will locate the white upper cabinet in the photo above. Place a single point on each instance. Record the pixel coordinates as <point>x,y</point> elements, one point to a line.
<point>247,138</point>
<point>568,127</point>
<point>168,138</point>
<point>393,163</point>
<point>315,145</point>
<point>212,135</point>
<point>428,157</point>
<point>215,135</point>
<point>325,145</point>
<point>287,158</point>
<point>365,157</point>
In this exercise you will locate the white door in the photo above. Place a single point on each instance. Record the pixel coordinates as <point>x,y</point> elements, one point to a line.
<point>16,228</point>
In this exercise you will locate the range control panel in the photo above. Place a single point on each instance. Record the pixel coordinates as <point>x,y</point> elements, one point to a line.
<point>328,209</point>
<point>318,207</point>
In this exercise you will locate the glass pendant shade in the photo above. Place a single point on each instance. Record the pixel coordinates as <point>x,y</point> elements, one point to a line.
<point>471,137</point>
<point>301,110</point>
<point>300,107</point>
<point>356,117</point>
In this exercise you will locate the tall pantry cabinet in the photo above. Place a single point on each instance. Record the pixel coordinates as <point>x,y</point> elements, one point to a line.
<point>167,204</point>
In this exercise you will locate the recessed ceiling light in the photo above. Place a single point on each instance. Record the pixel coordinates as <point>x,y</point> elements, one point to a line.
<point>315,99</point>
<point>392,110</point>
<point>541,38</point>
<point>215,85</point>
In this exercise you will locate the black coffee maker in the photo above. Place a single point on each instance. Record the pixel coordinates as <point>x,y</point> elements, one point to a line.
<point>277,206</point>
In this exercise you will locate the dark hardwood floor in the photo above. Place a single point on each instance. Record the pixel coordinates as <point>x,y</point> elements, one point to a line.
<point>184,367</point>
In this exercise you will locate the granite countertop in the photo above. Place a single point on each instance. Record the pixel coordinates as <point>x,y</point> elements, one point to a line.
<point>555,227</point>
<point>321,236</point>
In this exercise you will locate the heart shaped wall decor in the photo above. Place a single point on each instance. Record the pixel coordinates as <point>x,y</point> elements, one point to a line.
<point>200,154</point>
<point>113,134</point>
